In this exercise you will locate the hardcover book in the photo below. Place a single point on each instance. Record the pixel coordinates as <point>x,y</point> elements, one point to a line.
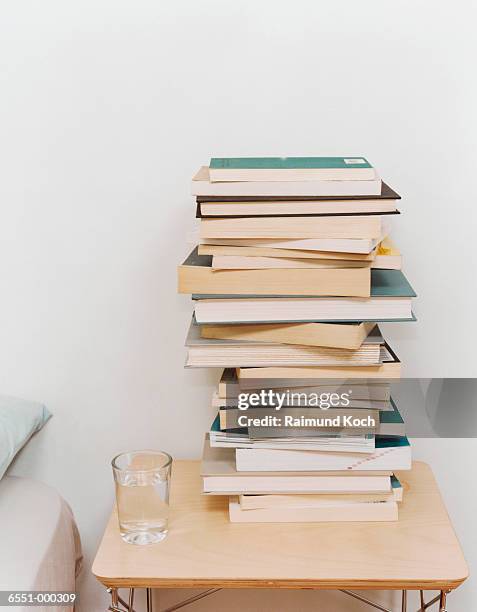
<point>196,275</point>
<point>386,193</point>
<point>390,299</point>
<point>367,227</point>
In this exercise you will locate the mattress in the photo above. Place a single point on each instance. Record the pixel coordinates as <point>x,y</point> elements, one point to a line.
<point>40,547</point>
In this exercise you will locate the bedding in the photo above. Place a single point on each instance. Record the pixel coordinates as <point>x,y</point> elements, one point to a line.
<point>40,548</point>
<point>19,420</point>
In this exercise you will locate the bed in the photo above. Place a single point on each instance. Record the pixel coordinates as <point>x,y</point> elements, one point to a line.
<point>40,546</point>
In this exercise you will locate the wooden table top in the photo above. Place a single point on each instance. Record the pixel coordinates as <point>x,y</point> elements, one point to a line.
<point>203,549</point>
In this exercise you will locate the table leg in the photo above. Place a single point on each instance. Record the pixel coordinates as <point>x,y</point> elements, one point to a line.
<point>404,601</point>
<point>114,600</point>
<point>364,600</point>
<point>440,599</point>
<point>149,600</point>
<point>131,600</point>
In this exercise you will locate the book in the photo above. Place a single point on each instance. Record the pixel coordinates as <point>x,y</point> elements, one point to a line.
<point>217,352</point>
<point>281,310</point>
<point>386,193</point>
<point>339,335</point>
<point>327,511</point>
<point>296,208</point>
<point>390,299</point>
<point>196,275</point>
<point>251,251</point>
<point>236,262</point>
<point>230,386</point>
<point>203,186</point>
<point>391,453</point>
<point>386,370</point>
<point>364,227</point>
<point>271,310</point>
<point>326,443</point>
<point>359,246</point>
<point>290,169</point>
<point>385,202</point>
<point>220,477</point>
<point>255,502</point>
<point>390,283</point>
<point>388,257</point>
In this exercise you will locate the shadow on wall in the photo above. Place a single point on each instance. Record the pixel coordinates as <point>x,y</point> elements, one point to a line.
<point>438,407</point>
<point>451,405</point>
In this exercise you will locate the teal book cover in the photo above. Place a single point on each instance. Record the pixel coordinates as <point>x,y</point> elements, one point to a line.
<point>391,441</point>
<point>287,163</point>
<point>215,424</point>
<point>215,427</point>
<point>391,416</point>
<point>395,482</point>
<point>390,283</point>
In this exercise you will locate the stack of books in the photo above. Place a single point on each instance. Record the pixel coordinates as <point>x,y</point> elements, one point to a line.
<point>293,271</point>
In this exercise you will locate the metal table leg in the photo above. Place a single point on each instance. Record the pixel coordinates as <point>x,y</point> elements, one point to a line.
<point>365,600</point>
<point>440,599</point>
<point>149,600</point>
<point>114,607</point>
<point>116,601</point>
<point>442,602</point>
<point>131,600</point>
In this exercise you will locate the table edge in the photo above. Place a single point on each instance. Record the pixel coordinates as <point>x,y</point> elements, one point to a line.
<point>284,583</point>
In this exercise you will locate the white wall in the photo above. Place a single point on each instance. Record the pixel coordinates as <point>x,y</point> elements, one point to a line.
<point>107,109</point>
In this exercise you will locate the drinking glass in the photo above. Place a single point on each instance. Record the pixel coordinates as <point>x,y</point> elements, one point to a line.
<point>142,480</point>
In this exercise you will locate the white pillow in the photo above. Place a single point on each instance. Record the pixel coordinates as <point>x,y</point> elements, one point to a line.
<point>19,420</point>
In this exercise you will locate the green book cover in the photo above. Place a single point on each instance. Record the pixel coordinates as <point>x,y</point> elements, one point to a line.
<point>287,163</point>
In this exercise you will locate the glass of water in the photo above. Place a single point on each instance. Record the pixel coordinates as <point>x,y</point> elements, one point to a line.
<point>142,481</point>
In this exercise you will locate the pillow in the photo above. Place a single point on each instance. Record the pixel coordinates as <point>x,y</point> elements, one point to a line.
<point>19,420</point>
